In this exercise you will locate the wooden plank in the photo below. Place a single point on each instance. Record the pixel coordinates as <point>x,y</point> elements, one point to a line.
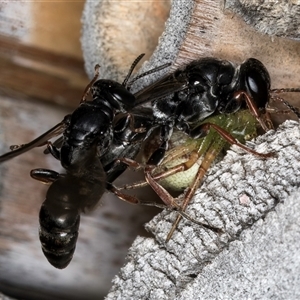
<point>38,74</point>
<point>40,51</point>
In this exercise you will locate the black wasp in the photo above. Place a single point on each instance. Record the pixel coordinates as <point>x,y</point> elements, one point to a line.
<point>205,87</point>
<point>92,140</point>
<point>189,98</point>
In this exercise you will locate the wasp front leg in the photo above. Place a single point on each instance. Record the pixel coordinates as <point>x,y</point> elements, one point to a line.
<point>45,175</point>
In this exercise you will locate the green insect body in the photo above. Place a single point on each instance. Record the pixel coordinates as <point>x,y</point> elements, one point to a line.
<point>242,125</point>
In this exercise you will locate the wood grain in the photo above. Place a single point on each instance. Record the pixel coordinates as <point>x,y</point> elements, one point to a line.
<point>40,53</point>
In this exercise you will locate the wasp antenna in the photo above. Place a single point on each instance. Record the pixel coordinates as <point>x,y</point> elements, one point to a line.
<point>291,108</point>
<point>88,87</point>
<point>285,90</point>
<point>156,69</point>
<point>136,61</point>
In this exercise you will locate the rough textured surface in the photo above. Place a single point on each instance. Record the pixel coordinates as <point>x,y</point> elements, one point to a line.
<point>256,202</point>
<point>280,18</point>
<point>195,28</point>
<point>170,41</point>
<point>96,46</point>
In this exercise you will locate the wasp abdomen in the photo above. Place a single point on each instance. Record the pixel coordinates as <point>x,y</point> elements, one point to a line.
<point>58,233</point>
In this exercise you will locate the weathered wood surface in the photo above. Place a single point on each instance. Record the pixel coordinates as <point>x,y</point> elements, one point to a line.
<point>40,55</point>
<point>279,18</point>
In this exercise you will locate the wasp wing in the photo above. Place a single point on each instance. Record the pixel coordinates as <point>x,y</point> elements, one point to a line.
<point>38,142</point>
<point>162,88</point>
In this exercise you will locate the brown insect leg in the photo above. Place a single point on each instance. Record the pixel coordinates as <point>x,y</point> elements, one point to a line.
<point>207,161</point>
<point>265,124</point>
<point>160,191</point>
<point>230,139</point>
<point>127,198</point>
<point>193,157</point>
<point>211,154</point>
<point>132,199</point>
<point>159,176</point>
<point>172,204</point>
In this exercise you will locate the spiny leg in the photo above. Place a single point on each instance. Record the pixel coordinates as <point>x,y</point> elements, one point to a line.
<point>265,124</point>
<point>134,165</point>
<point>204,128</point>
<point>212,153</point>
<point>209,157</point>
<point>133,200</point>
<point>169,171</point>
<point>172,204</point>
<point>207,161</point>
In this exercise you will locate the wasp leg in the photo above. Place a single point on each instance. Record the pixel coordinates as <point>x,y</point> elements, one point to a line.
<point>130,163</point>
<point>57,144</point>
<point>191,160</point>
<point>45,175</point>
<point>204,128</point>
<point>133,200</point>
<point>130,123</point>
<point>134,165</point>
<point>265,124</point>
<point>165,134</point>
<point>172,205</point>
<point>169,201</point>
<point>125,197</point>
<point>53,150</point>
